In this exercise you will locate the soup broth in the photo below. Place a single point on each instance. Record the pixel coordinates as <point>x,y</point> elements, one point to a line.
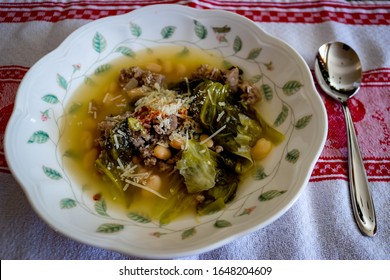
<point>91,103</point>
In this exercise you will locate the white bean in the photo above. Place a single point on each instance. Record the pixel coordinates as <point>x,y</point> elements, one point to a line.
<point>167,66</point>
<point>177,143</point>
<point>209,142</point>
<point>113,87</point>
<point>154,67</point>
<point>89,158</point>
<point>261,149</point>
<point>86,139</point>
<point>153,182</point>
<point>181,69</point>
<point>161,152</point>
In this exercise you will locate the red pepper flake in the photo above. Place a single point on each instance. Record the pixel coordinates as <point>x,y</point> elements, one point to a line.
<point>97,196</point>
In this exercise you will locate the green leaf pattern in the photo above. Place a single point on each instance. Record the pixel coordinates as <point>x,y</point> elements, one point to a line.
<point>293,156</point>
<point>102,69</point>
<point>139,218</point>
<point>101,207</point>
<point>51,173</point>
<point>266,91</point>
<point>185,51</point>
<point>62,82</point>
<point>237,44</point>
<point>282,116</point>
<point>99,43</point>
<point>291,87</point>
<point>38,137</point>
<point>254,53</point>
<point>188,233</point>
<point>270,195</point>
<point>303,122</point>
<point>200,30</point>
<point>67,203</point>
<point>222,224</point>
<point>110,228</point>
<point>256,78</point>
<point>74,108</point>
<point>125,51</point>
<point>260,173</point>
<point>135,29</point>
<point>168,31</point>
<point>70,154</point>
<point>89,82</point>
<point>50,98</point>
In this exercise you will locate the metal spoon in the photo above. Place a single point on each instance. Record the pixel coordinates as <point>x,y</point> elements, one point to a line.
<point>339,73</point>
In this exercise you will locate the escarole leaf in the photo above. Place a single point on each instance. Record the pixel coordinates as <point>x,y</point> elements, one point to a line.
<point>217,110</point>
<point>270,133</point>
<point>216,106</point>
<point>241,131</point>
<point>223,192</point>
<point>112,175</point>
<point>177,202</point>
<point>197,166</point>
<point>248,133</point>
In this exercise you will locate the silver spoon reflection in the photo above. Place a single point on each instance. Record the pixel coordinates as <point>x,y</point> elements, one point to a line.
<point>339,73</point>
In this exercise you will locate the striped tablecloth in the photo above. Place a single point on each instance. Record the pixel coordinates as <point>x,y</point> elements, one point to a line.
<point>320,225</point>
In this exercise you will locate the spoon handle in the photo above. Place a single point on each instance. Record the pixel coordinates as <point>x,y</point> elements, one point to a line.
<point>362,204</point>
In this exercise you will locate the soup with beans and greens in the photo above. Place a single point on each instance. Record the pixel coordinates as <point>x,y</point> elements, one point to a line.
<point>165,133</point>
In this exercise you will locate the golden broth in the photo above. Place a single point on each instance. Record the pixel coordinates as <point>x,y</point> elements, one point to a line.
<point>91,103</point>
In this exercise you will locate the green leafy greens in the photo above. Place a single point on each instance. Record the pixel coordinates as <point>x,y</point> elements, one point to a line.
<point>198,167</point>
<point>203,176</point>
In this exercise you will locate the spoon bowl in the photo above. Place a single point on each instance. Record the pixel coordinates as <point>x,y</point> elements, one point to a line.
<point>339,73</point>
<point>339,70</point>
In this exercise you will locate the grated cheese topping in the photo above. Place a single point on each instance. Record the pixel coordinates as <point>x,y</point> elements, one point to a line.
<point>136,179</point>
<point>165,101</point>
<point>214,134</point>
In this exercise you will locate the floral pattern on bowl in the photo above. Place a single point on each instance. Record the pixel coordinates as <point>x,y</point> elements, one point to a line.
<point>291,104</point>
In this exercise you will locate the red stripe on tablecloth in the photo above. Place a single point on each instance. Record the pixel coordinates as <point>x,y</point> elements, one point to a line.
<point>218,4</point>
<point>300,5</point>
<point>376,78</point>
<point>378,169</point>
<point>10,77</point>
<point>91,4</point>
<point>311,12</point>
<point>110,3</point>
<point>12,73</point>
